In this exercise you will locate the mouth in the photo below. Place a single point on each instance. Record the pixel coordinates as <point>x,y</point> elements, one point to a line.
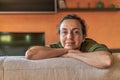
<point>69,43</point>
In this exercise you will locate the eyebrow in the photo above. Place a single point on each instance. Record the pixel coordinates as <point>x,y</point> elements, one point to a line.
<point>72,29</point>
<point>64,29</point>
<point>75,28</point>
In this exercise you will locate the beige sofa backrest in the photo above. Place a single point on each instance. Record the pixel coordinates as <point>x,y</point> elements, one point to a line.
<point>19,68</point>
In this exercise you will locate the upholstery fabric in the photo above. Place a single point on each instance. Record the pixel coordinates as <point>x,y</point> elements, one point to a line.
<point>19,68</point>
<point>1,67</point>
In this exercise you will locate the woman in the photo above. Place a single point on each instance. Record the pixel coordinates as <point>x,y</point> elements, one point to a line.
<point>74,44</point>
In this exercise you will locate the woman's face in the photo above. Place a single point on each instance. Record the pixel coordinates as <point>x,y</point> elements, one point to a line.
<point>71,35</point>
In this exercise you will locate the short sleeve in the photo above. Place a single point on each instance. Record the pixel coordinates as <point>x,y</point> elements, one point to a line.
<point>91,45</point>
<point>99,47</point>
<point>54,45</point>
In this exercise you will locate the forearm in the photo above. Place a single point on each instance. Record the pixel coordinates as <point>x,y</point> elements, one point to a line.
<point>39,52</point>
<point>98,59</point>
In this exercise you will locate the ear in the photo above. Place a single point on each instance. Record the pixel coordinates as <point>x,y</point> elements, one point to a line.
<point>83,38</point>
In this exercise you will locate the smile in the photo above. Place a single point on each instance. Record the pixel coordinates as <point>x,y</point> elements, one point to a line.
<point>69,43</point>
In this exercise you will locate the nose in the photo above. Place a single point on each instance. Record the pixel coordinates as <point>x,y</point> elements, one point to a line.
<point>70,36</point>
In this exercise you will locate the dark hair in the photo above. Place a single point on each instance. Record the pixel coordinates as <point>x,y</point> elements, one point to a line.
<point>73,16</point>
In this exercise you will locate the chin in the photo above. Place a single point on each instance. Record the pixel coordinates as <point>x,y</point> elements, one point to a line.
<point>69,47</point>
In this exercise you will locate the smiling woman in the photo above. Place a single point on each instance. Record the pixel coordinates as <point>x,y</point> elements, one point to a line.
<point>74,44</point>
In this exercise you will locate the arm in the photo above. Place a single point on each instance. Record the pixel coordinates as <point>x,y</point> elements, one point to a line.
<point>40,52</point>
<point>99,59</point>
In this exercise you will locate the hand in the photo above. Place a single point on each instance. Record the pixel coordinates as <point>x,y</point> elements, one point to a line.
<point>72,53</point>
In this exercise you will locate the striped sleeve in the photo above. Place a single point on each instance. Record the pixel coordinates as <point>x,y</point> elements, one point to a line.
<point>54,45</point>
<point>99,47</point>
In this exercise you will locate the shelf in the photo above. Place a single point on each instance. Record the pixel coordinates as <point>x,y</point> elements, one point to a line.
<point>116,50</point>
<point>89,9</point>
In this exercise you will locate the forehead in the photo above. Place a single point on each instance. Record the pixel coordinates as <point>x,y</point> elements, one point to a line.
<point>70,24</point>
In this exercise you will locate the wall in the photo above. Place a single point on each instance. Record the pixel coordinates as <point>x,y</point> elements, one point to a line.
<point>101,26</point>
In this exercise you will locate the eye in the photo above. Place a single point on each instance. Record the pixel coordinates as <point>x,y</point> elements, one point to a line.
<point>76,32</point>
<point>64,32</point>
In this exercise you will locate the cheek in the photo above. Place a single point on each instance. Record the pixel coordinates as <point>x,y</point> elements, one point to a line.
<point>78,40</point>
<point>62,40</point>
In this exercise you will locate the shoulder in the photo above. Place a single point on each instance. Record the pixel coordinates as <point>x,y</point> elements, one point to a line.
<point>90,45</point>
<point>54,45</point>
<point>89,41</point>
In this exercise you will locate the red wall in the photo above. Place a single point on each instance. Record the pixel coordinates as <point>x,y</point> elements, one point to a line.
<point>102,26</point>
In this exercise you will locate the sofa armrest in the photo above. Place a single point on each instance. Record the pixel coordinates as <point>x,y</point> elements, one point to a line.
<point>1,68</point>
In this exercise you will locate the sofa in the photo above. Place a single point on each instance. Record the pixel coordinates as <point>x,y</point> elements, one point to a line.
<point>20,68</point>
